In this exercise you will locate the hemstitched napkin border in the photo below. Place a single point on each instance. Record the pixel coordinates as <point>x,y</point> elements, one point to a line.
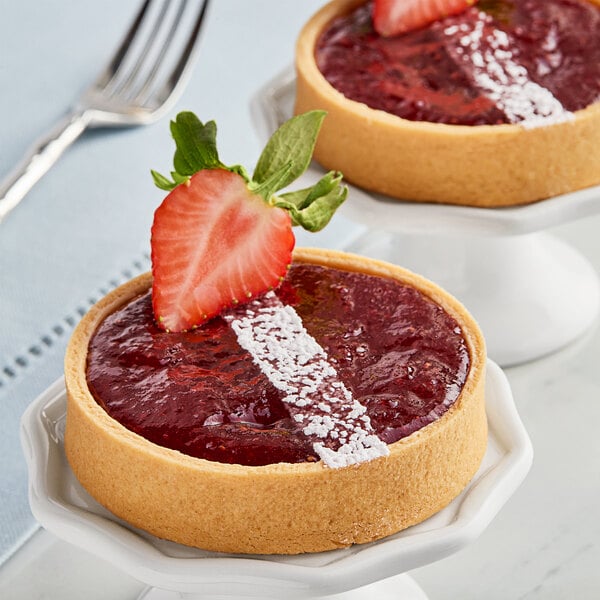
<point>14,367</point>
<point>21,381</point>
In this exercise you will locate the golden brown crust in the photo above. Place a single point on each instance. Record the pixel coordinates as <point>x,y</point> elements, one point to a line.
<point>279,508</point>
<point>495,165</point>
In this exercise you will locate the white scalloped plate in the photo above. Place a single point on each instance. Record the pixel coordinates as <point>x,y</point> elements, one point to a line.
<point>64,508</point>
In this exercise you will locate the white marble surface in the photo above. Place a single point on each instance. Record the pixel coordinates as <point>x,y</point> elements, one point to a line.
<point>543,545</point>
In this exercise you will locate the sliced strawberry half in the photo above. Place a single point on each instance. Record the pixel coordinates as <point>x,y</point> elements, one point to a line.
<point>215,243</point>
<point>222,236</point>
<point>393,17</point>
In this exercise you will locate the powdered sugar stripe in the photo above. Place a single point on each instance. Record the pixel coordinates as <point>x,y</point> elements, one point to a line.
<point>502,78</point>
<point>296,364</point>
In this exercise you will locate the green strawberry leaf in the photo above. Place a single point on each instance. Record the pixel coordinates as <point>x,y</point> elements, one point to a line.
<point>303,198</point>
<point>177,178</point>
<point>269,186</point>
<point>162,182</point>
<point>196,144</point>
<point>240,170</point>
<point>312,208</point>
<point>293,142</point>
<point>285,157</point>
<point>196,149</point>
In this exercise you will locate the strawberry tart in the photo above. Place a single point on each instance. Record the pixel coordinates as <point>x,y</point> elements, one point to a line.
<point>488,103</point>
<point>247,397</point>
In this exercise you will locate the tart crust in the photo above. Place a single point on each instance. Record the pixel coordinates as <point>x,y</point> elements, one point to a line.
<point>486,165</point>
<point>280,508</point>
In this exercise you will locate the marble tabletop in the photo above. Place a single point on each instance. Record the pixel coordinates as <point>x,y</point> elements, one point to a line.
<point>85,227</point>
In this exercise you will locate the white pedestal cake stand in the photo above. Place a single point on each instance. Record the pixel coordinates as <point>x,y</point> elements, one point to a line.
<point>531,293</point>
<point>362,572</point>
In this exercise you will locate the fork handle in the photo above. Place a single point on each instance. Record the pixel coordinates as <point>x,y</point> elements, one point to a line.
<point>39,158</point>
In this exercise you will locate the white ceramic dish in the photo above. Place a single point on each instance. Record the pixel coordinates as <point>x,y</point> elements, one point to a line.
<point>64,508</point>
<point>531,293</point>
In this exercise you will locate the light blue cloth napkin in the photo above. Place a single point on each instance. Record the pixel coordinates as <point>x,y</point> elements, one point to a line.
<point>53,265</point>
<point>85,227</point>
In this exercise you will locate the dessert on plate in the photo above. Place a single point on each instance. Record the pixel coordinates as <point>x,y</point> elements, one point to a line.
<point>247,397</point>
<point>496,103</point>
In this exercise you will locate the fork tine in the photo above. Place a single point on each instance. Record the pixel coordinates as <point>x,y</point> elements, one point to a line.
<point>119,55</point>
<point>141,78</point>
<point>178,74</point>
<point>142,93</point>
<point>124,80</point>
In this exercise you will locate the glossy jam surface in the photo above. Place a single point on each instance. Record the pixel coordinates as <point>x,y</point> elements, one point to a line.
<point>475,68</point>
<point>199,392</point>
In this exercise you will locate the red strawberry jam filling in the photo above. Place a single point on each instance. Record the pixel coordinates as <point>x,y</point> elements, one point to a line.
<point>500,61</point>
<point>208,393</point>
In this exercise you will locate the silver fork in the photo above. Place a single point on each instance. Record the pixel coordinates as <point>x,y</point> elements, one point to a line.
<point>140,83</point>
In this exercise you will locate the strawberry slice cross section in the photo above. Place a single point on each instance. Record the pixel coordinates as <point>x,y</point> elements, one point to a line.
<point>221,237</point>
